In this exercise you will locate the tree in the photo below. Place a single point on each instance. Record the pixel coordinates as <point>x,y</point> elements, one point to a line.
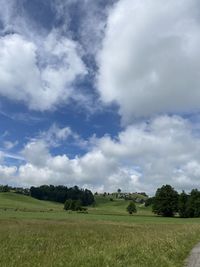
<point>193,208</point>
<point>119,191</point>
<point>183,202</point>
<point>4,188</point>
<point>61,193</point>
<point>166,201</point>
<point>131,208</point>
<point>149,201</point>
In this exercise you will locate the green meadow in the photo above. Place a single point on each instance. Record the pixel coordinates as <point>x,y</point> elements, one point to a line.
<point>41,233</point>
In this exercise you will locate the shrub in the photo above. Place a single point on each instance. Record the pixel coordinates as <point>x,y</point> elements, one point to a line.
<point>131,208</point>
<point>74,205</point>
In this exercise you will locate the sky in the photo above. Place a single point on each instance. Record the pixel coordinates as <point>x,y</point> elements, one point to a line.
<point>102,94</point>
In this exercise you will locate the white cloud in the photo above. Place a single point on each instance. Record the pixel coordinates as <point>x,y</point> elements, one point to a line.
<point>141,158</point>
<point>41,167</point>
<point>1,157</point>
<point>41,78</point>
<point>7,174</point>
<point>36,152</point>
<point>149,62</point>
<point>163,150</point>
<point>56,136</point>
<point>55,60</point>
<point>9,145</point>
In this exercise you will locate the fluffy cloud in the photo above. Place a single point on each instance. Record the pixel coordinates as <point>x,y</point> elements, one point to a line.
<point>41,78</point>
<point>36,152</point>
<point>55,135</point>
<point>149,61</point>
<point>164,149</point>
<point>7,174</point>
<point>41,167</point>
<point>142,157</point>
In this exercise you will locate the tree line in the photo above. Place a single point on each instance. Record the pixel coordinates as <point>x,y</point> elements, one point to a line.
<point>18,190</point>
<point>168,202</point>
<point>62,193</point>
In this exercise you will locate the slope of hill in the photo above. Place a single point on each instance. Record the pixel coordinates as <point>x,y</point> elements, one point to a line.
<point>26,203</point>
<point>109,205</point>
<point>103,205</point>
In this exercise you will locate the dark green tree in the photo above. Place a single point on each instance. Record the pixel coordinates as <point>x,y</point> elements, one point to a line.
<point>61,193</point>
<point>4,188</point>
<point>194,204</point>
<point>166,201</point>
<point>131,208</point>
<point>149,201</point>
<point>183,202</point>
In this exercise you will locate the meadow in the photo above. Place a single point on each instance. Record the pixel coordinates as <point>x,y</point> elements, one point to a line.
<point>40,233</point>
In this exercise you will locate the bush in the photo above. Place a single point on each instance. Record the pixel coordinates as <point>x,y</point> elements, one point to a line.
<point>68,204</point>
<point>131,208</point>
<point>74,205</point>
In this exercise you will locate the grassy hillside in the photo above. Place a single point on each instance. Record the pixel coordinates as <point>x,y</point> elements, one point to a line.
<point>103,205</point>
<point>26,203</point>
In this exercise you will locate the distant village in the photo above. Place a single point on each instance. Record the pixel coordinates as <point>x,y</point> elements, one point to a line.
<point>138,197</point>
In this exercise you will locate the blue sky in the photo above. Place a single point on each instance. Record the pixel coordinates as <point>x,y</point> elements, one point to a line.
<point>102,94</point>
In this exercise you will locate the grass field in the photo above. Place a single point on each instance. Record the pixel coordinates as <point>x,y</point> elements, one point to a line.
<point>25,203</point>
<point>43,234</point>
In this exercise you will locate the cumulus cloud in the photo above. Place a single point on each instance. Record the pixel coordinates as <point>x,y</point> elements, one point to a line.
<point>43,78</point>
<point>149,61</point>
<point>164,149</point>
<point>142,157</point>
<point>148,65</point>
<point>49,66</point>
<point>55,135</point>
<point>7,174</point>
<point>42,167</point>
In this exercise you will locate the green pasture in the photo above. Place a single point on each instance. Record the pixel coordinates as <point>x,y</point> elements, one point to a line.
<point>40,233</point>
<point>13,201</point>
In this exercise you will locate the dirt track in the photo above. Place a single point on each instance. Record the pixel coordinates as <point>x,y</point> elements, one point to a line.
<point>194,258</point>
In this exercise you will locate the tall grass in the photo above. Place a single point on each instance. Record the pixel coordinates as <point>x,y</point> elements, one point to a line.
<point>88,244</point>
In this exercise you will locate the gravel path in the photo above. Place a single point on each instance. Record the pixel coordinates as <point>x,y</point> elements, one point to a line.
<point>194,258</point>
